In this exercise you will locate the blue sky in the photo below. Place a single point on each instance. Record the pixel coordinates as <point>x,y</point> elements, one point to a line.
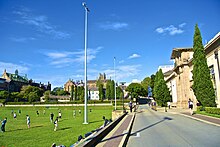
<point>45,39</point>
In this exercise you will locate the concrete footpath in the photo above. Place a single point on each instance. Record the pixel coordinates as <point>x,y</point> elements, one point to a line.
<point>117,137</point>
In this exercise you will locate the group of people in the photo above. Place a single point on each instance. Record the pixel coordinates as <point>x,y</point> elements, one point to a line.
<point>132,105</point>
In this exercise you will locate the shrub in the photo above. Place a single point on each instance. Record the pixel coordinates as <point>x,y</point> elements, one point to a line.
<point>213,110</point>
<point>200,108</point>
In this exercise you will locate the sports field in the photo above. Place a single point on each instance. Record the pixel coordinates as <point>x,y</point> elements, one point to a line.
<point>41,132</point>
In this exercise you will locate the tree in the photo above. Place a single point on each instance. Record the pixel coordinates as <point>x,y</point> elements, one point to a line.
<point>101,92</point>
<point>119,93</point>
<point>108,90</point>
<point>152,77</point>
<point>31,93</point>
<point>146,82</point>
<point>80,93</point>
<point>135,90</point>
<point>112,89</point>
<point>72,93</point>
<point>202,84</point>
<point>47,95</point>
<point>162,94</point>
<point>4,94</point>
<point>76,94</point>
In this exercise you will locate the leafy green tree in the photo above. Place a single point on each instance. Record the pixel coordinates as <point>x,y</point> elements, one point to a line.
<point>33,96</point>
<point>135,90</point>
<point>146,82</point>
<point>112,89</point>
<point>202,84</point>
<point>75,92</point>
<point>108,90</point>
<point>162,94</point>
<point>80,93</point>
<point>119,93</point>
<point>47,95</point>
<point>72,93</point>
<point>152,77</point>
<point>101,92</point>
<point>15,96</point>
<point>4,94</point>
<point>31,93</point>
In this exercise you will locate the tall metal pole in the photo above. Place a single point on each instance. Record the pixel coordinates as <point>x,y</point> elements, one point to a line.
<point>115,83</point>
<point>85,78</point>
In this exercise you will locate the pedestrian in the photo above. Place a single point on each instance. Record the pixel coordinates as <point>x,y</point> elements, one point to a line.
<point>12,112</point>
<point>19,111</point>
<point>44,111</point>
<point>74,113</point>
<point>28,121</point>
<point>51,117</point>
<point>37,112</point>
<point>60,115</point>
<point>168,104</point>
<point>79,112</point>
<point>135,107</point>
<point>3,124</point>
<point>190,103</point>
<point>15,115</point>
<point>130,106</point>
<point>56,124</point>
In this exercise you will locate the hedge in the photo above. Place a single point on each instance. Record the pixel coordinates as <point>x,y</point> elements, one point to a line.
<point>211,110</point>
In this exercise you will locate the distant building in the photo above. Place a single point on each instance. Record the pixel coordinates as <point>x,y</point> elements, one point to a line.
<point>68,85</point>
<point>93,87</point>
<point>14,82</point>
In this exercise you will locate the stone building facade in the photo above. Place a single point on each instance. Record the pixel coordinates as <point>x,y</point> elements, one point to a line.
<point>16,81</point>
<point>179,79</point>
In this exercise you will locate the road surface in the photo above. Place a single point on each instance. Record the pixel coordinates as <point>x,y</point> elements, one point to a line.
<point>160,129</point>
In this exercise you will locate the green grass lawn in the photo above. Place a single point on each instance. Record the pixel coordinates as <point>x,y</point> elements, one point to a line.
<point>42,132</point>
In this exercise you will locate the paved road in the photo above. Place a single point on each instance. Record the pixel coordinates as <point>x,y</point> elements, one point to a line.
<point>160,129</point>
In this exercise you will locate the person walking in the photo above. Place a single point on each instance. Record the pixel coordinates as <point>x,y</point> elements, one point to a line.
<point>56,124</point>
<point>190,103</point>
<point>15,115</point>
<point>51,117</point>
<point>28,121</point>
<point>3,124</point>
<point>130,106</point>
<point>60,114</point>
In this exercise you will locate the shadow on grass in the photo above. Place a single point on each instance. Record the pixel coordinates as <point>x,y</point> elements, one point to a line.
<point>67,128</point>
<point>25,128</point>
<point>96,121</point>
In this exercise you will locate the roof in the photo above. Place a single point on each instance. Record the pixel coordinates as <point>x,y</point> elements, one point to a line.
<point>214,39</point>
<point>176,51</point>
<point>15,77</point>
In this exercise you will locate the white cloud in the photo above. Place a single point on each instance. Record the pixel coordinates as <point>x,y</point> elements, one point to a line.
<point>40,23</point>
<point>114,25</point>
<point>63,59</point>
<point>133,56</point>
<point>11,67</point>
<point>22,39</point>
<point>182,25</point>
<point>121,61</point>
<point>172,30</point>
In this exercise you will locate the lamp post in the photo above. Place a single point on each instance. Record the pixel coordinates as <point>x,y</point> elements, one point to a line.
<point>85,78</point>
<point>115,82</point>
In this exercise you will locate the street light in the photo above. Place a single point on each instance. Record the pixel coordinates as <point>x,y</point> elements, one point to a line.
<point>85,78</point>
<point>115,82</point>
